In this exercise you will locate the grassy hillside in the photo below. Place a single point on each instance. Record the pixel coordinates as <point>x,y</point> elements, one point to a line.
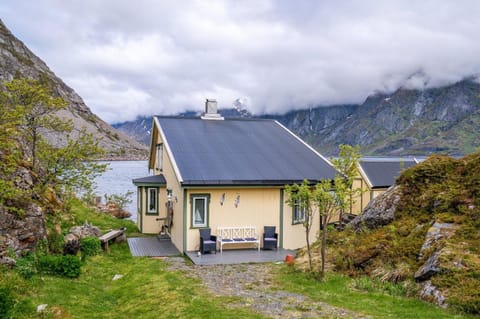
<point>442,190</point>
<point>149,289</point>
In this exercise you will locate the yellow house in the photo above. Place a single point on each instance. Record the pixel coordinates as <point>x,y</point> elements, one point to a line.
<point>375,176</point>
<point>211,172</point>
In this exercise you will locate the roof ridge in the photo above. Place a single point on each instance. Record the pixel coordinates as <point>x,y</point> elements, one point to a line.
<point>253,119</point>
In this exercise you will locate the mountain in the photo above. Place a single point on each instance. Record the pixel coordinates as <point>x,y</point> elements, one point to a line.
<point>138,129</point>
<point>406,122</point>
<point>16,60</point>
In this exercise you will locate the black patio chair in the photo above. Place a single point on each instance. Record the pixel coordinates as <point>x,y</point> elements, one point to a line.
<point>270,237</point>
<point>208,242</point>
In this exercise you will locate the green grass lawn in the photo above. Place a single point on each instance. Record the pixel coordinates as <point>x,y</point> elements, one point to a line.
<point>146,290</point>
<point>149,290</point>
<point>338,290</point>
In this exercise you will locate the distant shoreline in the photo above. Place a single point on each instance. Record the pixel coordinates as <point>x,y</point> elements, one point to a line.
<point>121,158</point>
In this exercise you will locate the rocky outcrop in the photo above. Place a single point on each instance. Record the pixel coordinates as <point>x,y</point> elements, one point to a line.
<point>21,234</point>
<point>434,252</point>
<point>17,60</point>
<point>431,293</point>
<point>379,212</point>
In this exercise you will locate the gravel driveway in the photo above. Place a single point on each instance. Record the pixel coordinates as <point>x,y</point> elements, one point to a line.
<point>253,284</point>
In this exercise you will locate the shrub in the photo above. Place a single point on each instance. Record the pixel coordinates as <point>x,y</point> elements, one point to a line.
<point>6,302</point>
<point>25,266</point>
<point>64,266</point>
<point>119,200</point>
<point>90,246</point>
<point>55,242</point>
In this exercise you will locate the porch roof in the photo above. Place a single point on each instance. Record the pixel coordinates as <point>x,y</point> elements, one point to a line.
<point>155,180</point>
<point>240,152</point>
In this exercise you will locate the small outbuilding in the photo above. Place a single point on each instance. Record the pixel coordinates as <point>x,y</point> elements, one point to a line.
<point>376,175</point>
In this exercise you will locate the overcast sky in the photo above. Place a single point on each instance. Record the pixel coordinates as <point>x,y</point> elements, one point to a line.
<point>144,57</point>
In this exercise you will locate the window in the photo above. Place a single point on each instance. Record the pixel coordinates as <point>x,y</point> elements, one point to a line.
<point>199,203</point>
<point>298,213</point>
<point>159,157</point>
<point>152,200</point>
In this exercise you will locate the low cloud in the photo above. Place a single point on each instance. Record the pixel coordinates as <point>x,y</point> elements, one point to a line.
<point>140,58</point>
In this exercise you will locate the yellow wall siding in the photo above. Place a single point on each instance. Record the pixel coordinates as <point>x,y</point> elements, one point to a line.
<point>362,200</point>
<point>378,191</point>
<point>257,207</point>
<point>149,223</point>
<point>359,200</point>
<point>294,234</point>
<point>168,172</point>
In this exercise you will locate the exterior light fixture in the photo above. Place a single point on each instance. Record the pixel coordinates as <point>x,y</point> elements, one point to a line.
<point>237,201</point>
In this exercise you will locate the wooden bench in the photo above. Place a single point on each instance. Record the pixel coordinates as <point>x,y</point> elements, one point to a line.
<point>237,235</point>
<point>112,234</point>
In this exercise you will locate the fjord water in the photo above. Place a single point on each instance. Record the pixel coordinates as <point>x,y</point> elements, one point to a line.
<point>118,180</point>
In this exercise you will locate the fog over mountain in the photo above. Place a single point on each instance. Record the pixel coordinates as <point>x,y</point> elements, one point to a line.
<point>415,122</point>
<point>148,57</point>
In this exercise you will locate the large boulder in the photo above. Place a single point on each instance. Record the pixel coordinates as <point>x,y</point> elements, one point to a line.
<point>78,232</point>
<point>113,210</point>
<point>380,211</point>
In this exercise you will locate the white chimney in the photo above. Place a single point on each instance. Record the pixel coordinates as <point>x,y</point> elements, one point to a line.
<point>211,110</point>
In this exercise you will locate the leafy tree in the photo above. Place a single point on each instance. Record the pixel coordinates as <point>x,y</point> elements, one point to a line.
<point>9,156</point>
<point>30,109</point>
<point>34,106</point>
<point>303,197</point>
<point>347,165</point>
<point>71,169</point>
<point>328,199</point>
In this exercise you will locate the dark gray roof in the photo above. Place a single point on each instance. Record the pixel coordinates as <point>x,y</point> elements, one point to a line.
<point>240,152</point>
<point>383,172</point>
<point>155,180</point>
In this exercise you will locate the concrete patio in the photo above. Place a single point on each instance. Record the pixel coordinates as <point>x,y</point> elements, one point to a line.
<point>162,247</point>
<point>240,256</point>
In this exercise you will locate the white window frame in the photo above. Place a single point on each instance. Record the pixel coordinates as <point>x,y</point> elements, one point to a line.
<point>206,201</point>
<point>159,157</point>
<point>150,191</point>
<point>139,200</point>
<point>298,215</point>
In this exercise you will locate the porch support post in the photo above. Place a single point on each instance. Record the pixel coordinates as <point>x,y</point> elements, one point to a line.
<point>185,220</point>
<point>140,205</point>
<point>281,218</point>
